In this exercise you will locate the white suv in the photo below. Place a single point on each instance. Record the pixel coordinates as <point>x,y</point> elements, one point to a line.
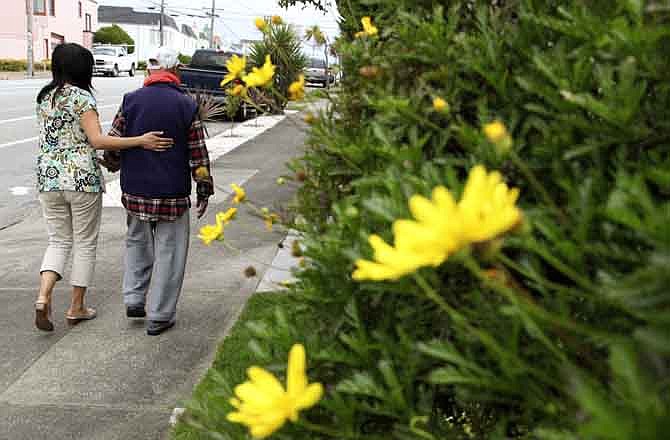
<point>112,60</point>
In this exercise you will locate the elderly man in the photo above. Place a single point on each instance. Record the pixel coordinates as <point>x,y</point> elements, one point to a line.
<point>156,191</point>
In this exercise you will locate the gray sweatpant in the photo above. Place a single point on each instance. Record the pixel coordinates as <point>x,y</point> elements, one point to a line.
<point>156,255</point>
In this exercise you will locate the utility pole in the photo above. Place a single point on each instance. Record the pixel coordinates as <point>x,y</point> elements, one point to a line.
<point>160,23</point>
<point>211,26</point>
<point>29,36</point>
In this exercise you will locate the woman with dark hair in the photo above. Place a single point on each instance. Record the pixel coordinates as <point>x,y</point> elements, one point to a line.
<point>69,179</point>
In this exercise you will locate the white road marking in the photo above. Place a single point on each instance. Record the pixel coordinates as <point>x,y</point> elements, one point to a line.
<point>32,139</point>
<point>25,118</point>
<point>19,190</point>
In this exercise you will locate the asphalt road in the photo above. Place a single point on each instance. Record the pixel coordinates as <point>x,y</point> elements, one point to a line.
<point>18,138</point>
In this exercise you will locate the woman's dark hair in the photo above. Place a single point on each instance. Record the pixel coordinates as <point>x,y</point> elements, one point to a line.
<point>70,64</point>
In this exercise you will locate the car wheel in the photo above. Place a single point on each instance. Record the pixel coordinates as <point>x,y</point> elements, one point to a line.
<point>131,72</point>
<point>115,72</point>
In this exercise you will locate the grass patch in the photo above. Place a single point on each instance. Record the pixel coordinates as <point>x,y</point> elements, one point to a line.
<point>209,405</point>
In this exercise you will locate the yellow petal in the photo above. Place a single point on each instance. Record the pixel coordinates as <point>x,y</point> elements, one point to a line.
<point>423,209</point>
<point>252,396</point>
<point>310,397</point>
<point>296,379</point>
<point>370,270</point>
<point>266,381</point>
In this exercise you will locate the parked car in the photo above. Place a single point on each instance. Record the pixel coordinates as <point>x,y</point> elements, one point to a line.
<point>316,72</point>
<point>204,75</point>
<point>112,60</point>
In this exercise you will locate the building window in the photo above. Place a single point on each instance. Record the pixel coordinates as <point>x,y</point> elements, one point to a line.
<point>87,23</point>
<point>52,8</point>
<point>40,7</point>
<point>79,9</point>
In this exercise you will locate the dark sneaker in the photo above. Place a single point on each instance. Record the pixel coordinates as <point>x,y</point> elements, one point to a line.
<point>136,311</point>
<point>155,328</point>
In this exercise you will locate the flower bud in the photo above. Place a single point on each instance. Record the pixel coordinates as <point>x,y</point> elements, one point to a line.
<point>440,105</point>
<point>369,71</point>
<point>351,211</point>
<point>309,118</point>
<point>497,134</point>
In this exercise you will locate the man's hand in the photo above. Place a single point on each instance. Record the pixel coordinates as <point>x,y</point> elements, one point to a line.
<point>202,207</point>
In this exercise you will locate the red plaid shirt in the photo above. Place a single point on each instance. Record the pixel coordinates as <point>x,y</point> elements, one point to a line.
<point>148,209</point>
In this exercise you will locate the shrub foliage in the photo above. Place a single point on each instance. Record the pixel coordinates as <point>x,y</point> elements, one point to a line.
<point>559,330</point>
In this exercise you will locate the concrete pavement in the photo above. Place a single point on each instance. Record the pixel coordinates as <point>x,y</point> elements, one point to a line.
<point>106,379</point>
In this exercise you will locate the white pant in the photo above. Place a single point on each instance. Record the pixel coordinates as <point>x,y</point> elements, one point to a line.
<point>73,218</point>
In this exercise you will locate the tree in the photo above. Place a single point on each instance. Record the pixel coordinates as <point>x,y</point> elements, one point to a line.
<point>114,34</point>
<point>321,5</point>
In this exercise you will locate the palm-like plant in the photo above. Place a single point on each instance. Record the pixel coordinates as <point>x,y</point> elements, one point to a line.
<point>316,35</point>
<point>209,109</point>
<point>283,45</point>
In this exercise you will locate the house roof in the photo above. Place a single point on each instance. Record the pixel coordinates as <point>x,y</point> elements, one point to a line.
<point>188,31</point>
<point>123,15</point>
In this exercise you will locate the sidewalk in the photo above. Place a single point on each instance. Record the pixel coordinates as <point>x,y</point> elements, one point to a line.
<point>23,75</point>
<point>106,379</point>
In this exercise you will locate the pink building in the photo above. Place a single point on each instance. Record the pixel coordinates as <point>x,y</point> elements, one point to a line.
<point>54,22</point>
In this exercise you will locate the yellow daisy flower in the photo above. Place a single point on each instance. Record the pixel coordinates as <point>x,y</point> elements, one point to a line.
<point>240,194</point>
<point>261,24</point>
<point>263,405</point>
<point>236,67</point>
<point>369,29</point>
<point>441,227</point>
<point>261,77</point>
<point>209,233</point>
<point>296,90</point>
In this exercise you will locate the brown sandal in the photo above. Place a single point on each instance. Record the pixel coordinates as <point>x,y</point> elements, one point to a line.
<point>88,314</point>
<point>43,316</point>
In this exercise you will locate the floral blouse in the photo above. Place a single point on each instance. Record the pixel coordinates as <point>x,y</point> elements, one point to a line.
<point>66,161</point>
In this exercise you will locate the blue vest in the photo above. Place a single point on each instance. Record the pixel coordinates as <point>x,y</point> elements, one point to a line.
<point>160,175</point>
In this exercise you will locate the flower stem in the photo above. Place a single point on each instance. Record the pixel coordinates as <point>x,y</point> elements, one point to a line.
<point>322,430</point>
<point>535,183</point>
<point>457,317</point>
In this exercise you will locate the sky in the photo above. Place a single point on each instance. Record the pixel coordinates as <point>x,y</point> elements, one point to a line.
<point>236,18</point>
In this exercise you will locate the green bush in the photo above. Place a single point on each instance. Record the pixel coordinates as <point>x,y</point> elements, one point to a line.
<point>556,330</point>
<point>114,34</point>
<point>283,45</point>
<point>7,65</point>
<point>184,59</point>
<point>142,65</point>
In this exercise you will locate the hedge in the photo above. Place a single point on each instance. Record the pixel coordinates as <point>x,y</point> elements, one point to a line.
<point>556,328</point>
<point>9,65</point>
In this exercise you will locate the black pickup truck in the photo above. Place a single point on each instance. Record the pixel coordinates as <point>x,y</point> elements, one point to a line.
<point>205,73</point>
